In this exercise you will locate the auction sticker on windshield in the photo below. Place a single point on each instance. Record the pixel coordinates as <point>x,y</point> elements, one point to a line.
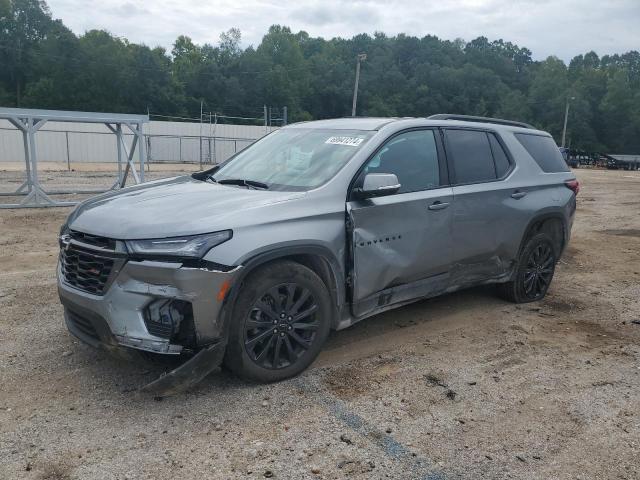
<point>350,141</point>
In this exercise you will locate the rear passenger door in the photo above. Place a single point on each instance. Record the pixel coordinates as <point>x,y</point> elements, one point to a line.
<point>478,165</point>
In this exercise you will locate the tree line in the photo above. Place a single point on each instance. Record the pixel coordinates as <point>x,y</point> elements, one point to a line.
<point>43,64</point>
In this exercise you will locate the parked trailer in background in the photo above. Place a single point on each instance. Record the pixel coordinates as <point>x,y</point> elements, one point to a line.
<point>622,162</point>
<point>580,158</point>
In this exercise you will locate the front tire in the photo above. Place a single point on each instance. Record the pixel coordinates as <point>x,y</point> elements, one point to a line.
<point>536,266</point>
<point>280,322</point>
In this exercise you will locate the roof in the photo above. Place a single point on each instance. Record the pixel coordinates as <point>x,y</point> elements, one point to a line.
<point>348,123</point>
<point>70,116</point>
<point>376,123</point>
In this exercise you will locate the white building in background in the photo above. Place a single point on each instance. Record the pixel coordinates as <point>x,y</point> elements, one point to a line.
<point>166,142</point>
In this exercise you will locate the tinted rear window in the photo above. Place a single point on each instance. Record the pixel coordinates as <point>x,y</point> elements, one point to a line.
<point>544,151</point>
<point>472,158</point>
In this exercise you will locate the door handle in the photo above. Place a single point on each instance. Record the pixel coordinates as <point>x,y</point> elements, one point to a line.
<point>438,205</point>
<point>518,194</point>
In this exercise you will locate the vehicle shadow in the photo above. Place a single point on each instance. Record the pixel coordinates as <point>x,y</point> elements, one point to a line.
<point>376,334</point>
<point>454,308</point>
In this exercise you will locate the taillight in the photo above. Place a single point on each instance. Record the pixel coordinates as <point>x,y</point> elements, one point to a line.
<point>573,185</point>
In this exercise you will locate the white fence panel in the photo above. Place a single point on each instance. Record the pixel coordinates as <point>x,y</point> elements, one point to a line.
<point>178,142</point>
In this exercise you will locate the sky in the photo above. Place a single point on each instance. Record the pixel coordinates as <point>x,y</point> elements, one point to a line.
<point>547,27</point>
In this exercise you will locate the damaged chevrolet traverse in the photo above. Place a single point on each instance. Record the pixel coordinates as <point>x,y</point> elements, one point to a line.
<point>314,227</point>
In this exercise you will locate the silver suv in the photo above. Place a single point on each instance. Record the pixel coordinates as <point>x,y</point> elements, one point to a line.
<point>314,227</point>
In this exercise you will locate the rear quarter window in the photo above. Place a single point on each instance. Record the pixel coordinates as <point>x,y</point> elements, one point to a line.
<point>499,157</point>
<point>544,151</point>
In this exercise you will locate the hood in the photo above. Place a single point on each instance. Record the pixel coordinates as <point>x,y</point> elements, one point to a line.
<point>170,208</point>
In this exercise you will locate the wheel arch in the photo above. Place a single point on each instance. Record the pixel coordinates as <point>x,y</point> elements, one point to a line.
<point>317,258</point>
<point>552,223</point>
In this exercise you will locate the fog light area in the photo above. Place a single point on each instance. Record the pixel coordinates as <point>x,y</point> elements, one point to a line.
<point>163,317</point>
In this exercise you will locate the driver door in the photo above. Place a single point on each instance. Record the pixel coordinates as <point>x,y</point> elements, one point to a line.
<point>401,243</point>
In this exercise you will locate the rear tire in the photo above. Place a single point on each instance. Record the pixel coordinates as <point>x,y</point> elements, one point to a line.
<point>279,322</point>
<point>536,266</point>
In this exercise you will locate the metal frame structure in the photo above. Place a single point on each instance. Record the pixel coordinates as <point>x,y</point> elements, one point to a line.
<point>29,121</point>
<point>151,158</point>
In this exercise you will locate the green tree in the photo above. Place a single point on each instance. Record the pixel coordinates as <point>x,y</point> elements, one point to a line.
<point>548,94</point>
<point>619,107</point>
<point>23,25</point>
<point>43,64</point>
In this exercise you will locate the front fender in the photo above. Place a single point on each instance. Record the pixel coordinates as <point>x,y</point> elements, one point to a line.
<point>296,249</point>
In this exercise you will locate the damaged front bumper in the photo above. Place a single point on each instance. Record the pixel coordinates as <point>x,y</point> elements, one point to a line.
<point>154,306</point>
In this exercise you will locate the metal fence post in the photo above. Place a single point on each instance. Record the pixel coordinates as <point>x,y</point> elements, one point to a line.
<point>25,141</point>
<point>66,134</point>
<point>33,158</point>
<point>148,137</point>
<point>119,150</point>
<point>200,141</point>
<point>141,151</point>
<point>39,196</point>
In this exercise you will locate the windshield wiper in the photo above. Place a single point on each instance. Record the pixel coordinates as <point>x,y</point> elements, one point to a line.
<point>242,182</point>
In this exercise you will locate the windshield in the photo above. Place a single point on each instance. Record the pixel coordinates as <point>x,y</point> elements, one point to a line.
<point>294,158</point>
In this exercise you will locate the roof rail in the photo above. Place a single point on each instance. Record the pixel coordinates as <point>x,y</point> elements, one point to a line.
<point>473,118</point>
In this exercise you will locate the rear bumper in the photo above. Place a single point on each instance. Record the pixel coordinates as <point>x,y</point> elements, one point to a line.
<point>117,318</point>
<point>571,215</point>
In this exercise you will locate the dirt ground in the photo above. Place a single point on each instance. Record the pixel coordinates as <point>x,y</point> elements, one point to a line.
<point>462,386</point>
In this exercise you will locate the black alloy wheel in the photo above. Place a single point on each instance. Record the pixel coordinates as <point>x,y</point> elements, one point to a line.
<point>281,326</point>
<point>279,322</point>
<point>534,271</point>
<point>539,271</point>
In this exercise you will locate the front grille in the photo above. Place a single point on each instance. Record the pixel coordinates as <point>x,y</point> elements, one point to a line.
<point>85,269</point>
<point>95,240</point>
<point>83,325</point>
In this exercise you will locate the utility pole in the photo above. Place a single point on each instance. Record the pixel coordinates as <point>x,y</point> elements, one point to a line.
<point>566,116</point>
<point>361,57</point>
<point>18,76</point>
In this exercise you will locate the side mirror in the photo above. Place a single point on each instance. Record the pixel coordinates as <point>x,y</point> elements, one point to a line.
<point>379,185</point>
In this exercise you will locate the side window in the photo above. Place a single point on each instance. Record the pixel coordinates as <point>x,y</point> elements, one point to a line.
<point>413,157</point>
<point>471,154</point>
<point>500,158</point>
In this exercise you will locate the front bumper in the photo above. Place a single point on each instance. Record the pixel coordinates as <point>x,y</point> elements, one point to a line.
<point>117,318</point>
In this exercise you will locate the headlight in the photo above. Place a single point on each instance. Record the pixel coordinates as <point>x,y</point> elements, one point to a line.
<point>193,246</point>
